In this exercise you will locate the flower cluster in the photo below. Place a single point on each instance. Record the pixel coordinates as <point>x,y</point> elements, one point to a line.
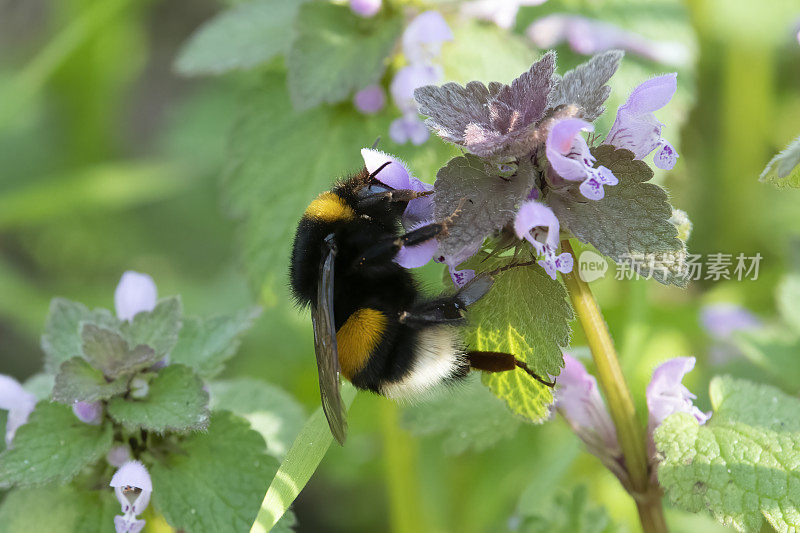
<point>531,135</point>
<point>578,400</point>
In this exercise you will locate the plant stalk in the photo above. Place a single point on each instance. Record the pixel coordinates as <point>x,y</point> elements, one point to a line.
<point>630,432</point>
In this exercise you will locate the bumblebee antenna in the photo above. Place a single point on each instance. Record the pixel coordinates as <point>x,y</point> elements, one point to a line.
<point>372,176</point>
<point>375,144</point>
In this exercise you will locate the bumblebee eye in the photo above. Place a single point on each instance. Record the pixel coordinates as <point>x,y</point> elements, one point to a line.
<point>373,189</point>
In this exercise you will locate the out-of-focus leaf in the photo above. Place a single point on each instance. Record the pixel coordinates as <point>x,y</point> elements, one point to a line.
<point>78,381</point>
<point>52,447</point>
<point>175,401</point>
<point>280,161</point>
<point>300,463</point>
<point>271,411</point>
<point>206,343</point>
<point>334,52</point>
<point>158,328</point>
<point>774,349</point>
<point>788,299</point>
<point>62,331</point>
<point>215,483</point>
<point>468,417</point>
<point>526,313</point>
<point>742,464</point>
<point>242,37</point>
<point>108,352</point>
<point>566,512</point>
<point>783,170</point>
<point>58,508</point>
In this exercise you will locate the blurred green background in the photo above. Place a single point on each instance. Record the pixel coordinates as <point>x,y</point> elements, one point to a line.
<point>109,161</point>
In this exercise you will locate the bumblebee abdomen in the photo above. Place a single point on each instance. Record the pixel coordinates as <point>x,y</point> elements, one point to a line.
<point>358,339</point>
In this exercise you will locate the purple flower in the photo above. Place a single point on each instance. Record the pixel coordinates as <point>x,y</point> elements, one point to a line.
<point>424,36</point>
<point>536,223</point>
<point>370,100</point>
<point>666,394</point>
<point>409,128</point>
<point>570,158</point>
<point>637,129</point>
<point>365,8</point>
<point>409,78</point>
<point>88,412</point>
<point>588,36</point>
<point>460,277</point>
<point>18,402</point>
<point>135,293</point>
<point>501,12</point>
<point>721,320</point>
<point>419,210</point>
<point>133,488</point>
<point>118,455</point>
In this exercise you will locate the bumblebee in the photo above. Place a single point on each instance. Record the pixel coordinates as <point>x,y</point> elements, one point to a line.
<point>371,321</point>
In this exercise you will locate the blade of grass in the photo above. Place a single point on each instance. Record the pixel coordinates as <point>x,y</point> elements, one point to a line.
<point>300,463</point>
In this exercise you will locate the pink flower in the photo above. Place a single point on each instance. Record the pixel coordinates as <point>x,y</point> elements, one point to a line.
<point>424,36</point>
<point>135,293</point>
<point>666,394</point>
<point>537,223</point>
<point>370,100</point>
<point>18,402</point>
<point>409,128</point>
<point>501,12</point>
<point>570,158</point>
<point>365,8</point>
<point>636,127</point>
<point>409,78</point>
<point>133,488</point>
<point>88,412</point>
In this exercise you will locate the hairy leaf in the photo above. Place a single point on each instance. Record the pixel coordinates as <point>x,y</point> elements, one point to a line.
<point>271,411</point>
<point>205,344</point>
<point>783,170</point>
<point>108,352</point>
<point>158,328</point>
<point>62,331</point>
<point>585,85</point>
<point>58,508</point>
<point>78,381</point>
<point>526,313</point>
<point>742,464</point>
<point>631,224</point>
<point>494,120</point>
<point>216,482</point>
<point>487,201</point>
<point>52,447</point>
<point>334,52</point>
<point>789,301</point>
<point>279,161</point>
<point>175,401</point>
<point>468,417</point>
<point>242,37</point>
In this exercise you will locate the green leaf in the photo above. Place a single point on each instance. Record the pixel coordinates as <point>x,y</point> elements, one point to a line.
<point>243,37</point>
<point>334,52</point>
<point>108,352</point>
<point>486,201</point>
<point>566,512</point>
<point>52,447</point>
<point>58,508</point>
<point>78,381</point>
<point>632,221</point>
<point>175,401</point>
<point>205,344</point>
<point>783,170</point>
<point>789,301</point>
<point>62,337</point>
<point>526,313</point>
<point>773,349</point>
<point>286,524</point>
<point>216,481</point>
<point>468,418</point>
<point>158,328</point>
<point>280,161</point>
<point>300,463</point>
<point>271,411</point>
<point>742,464</point>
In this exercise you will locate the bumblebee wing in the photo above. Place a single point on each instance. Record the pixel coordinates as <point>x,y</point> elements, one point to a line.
<point>325,345</point>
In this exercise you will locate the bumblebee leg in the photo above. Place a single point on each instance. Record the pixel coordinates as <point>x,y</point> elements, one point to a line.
<point>394,195</point>
<point>502,362</point>
<point>388,248</point>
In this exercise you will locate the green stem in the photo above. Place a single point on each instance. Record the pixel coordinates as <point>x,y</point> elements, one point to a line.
<point>629,431</point>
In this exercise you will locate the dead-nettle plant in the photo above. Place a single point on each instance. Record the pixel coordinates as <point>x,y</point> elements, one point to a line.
<point>122,409</point>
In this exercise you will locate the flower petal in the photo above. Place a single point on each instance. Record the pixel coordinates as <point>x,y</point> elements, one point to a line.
<point>423,37</point>
<point>416,256</point>
<point>365,8</point>
<point>667,395</point>
<point>409,78</point>
<point>132,474</point>
<point>418,210</point>
<point>666,156</point>
<point>370,100</point>
<point>135,293</point>
<point>396,175</point>
<point>722,320</point>
<point>534,214</point>
<point>88,412</point>
<point>567,150</point>
<point>461,277</point>
<point>652,95</point>
<point>18,402</point>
